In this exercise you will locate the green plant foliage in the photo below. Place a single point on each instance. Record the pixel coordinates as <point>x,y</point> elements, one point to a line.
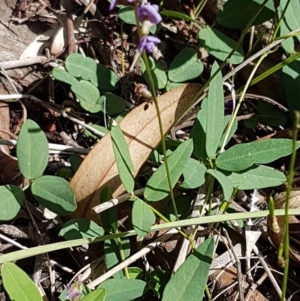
<point>142,217</point>
<point>223,181</point>
<point>75,162</point>
<point>170,86</point>
<point>269,115</point>
<point>215,113</point>
<point>18,285</point>
<point>232,130</point>
<point>183,205</point>
<point>242,156</point>
<point>238,13</point>
<point>97,127</point>
<point>178,15</point>
<point>88,96</point>
<point>157,187</point>
<point>32,150</point>
<point>80,228</point>
<point>55,194</point>
<point>189,281</point>
<point>82,67</point>
<point>107,80</point>
<point>257,177</point>
<point>219,45</point>
<point>291,16</point>
<point>291,83</point>
<point>98,294</point>
<point>114,104</point>
<point>185,66</point>
<point>158,280</point>
<point>158,74</point>
<point>123,159</point>
<point>123,289</point>
<point>64,76</point>
<point>198,132</point>
<point>127,15</point>
<point>109,217</point>
<point>193,174</point>
<point>288,44</point>
<point>135,273</point>
<point>11,200</point>
<point>112,254</point>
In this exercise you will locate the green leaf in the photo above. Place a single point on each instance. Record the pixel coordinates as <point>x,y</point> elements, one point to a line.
<point>198,132</point>
<point>157,186</point>
<point>158,74</point>
<point>112,254</point>
<point>18,285</point>
<point>291,16</point>
<point>64,77</point>
<point>215,113</point>
<point>109,217</point>
<point>123,159</point>
<point>287,44</point>
<point>98,294</point>
<point>55,194</point>
<point>170,86</point>
<point>241,156</point>
<point>183,205</point>
<point>190,280</point>
<point>135,273</point>
<point>175,14</point>
<point>291,83</point>
<point>127,15</point>
<point>238,13</point>
<point>11,200</point>
<point>257,177</point>
<point>32,150</point>
<point>107,79</point>
<point>223,181</point>
<point>142,217</point>
<point>75,162</point>
<point>88,96</point>
<point>114,104</point>
<point>158,280</point>
<point>193,174</point>
<point>185,66</point>
<point>123,289</point>
<point>80,228</point>
<point>219,45</point>
<point>232,130</point>
<point>82,67</point>
<point>97,127</point>
<point>269,115</point>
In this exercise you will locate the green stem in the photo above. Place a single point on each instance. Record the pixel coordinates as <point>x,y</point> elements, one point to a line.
<point>167,221</point>
<point>122,255</point>
<point>241,100</point>
<point>281,18</point>
<point>17,255</point>
<point>287,206</point>
<point>161,130</point>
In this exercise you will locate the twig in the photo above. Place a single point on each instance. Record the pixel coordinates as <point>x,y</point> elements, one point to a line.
<point>24,63</point>
<point>132,259</point>
<point>113,202</point>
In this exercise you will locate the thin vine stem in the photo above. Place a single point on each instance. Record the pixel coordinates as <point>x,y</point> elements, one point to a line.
<point>161,130</point>
<point>286,238</point>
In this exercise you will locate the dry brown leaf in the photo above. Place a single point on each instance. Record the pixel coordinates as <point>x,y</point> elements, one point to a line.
<point>141,131</point>
<point>294,224</point>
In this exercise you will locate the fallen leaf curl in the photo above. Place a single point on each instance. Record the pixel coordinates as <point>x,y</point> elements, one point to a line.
<point>141,131</point>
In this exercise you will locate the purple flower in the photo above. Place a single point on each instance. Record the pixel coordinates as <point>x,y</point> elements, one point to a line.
<point>147,43</point>
<point>149,12</point>
<point>113,3</point>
